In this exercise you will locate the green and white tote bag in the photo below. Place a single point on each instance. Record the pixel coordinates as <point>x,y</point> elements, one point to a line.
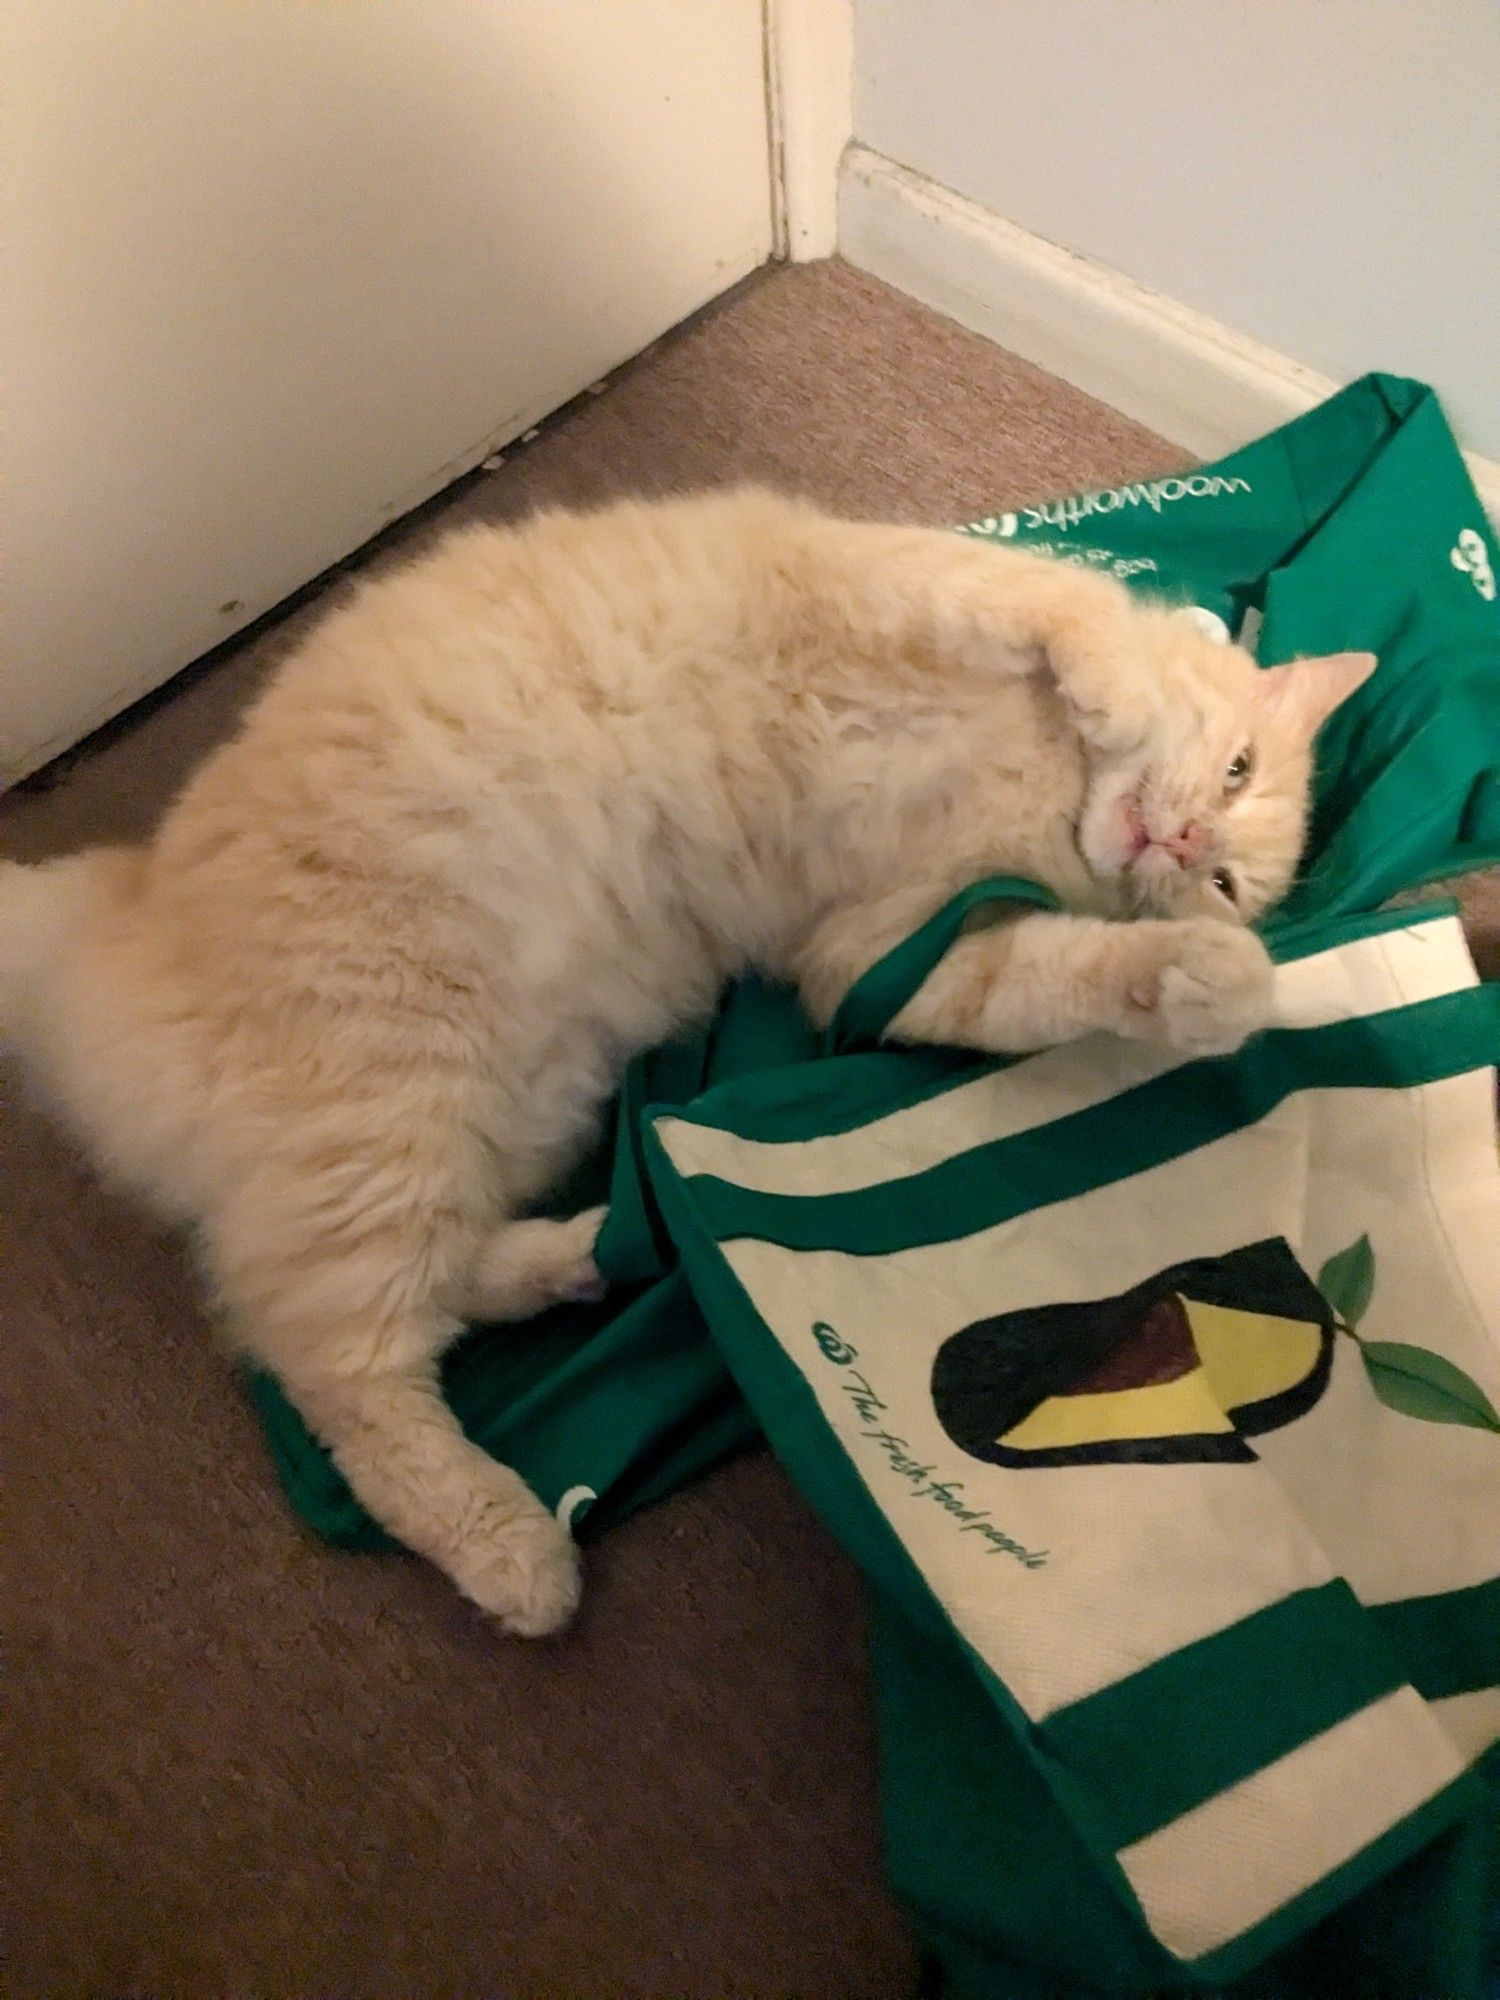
<point>1158,1399</point>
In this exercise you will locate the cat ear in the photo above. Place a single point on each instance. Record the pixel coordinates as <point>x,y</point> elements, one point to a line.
<point>1306,692</point>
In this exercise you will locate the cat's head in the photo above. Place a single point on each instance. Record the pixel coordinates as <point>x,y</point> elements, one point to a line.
<point>1208,814</point>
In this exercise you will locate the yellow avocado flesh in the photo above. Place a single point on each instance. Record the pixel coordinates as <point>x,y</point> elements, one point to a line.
<point>1184,1408</point>
<point>1243,1358</point>
<point>1249,1356</point>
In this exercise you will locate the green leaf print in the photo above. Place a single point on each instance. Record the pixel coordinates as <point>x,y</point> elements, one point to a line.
<point>1419,1383</point>
<point>1347,1281</point>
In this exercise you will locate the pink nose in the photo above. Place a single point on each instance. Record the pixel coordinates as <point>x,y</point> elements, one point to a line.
<point>1188,846</point>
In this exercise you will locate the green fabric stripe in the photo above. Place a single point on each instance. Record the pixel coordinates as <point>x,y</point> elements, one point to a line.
<point>1449,1643</point>
<point>1461,1812</point>
<point>1161,1741</point>
<point>814,1100</point>
<point>1291,939</point>
<point>840,1094</point>
<point>1141,1128</point>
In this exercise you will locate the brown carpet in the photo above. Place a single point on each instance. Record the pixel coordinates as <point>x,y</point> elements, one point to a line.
<point>239,1763</point>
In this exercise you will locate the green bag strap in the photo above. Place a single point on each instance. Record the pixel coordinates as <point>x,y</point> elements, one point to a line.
<point>878,996</point>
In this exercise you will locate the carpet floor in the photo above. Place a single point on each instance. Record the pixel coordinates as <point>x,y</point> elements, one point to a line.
<point>241,1763</point>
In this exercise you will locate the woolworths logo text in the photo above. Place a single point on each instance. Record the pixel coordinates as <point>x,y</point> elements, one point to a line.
<point>1152,493</point>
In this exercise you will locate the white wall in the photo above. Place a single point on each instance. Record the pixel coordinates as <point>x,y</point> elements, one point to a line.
<point>1323,175</point>
<point>275,270</point>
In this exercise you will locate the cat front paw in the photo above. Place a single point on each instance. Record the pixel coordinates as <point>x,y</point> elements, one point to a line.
<point>1117,723</point>
<point>1095,646</point>
<point>1208,992</point>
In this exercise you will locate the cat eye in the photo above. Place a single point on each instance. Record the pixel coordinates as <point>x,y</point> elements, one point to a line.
<point>1237,776</point>
<point>1223,881</point>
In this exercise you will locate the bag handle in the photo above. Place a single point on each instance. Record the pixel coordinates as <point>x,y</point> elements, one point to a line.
<point>878,996</point>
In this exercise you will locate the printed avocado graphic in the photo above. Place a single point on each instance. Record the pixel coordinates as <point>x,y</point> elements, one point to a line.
<point>1181,1368</point>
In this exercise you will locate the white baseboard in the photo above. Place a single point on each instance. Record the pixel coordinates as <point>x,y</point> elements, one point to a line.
<point>1182,374</point>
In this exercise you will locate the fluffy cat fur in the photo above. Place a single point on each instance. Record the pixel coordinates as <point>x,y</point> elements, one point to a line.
<point>519,810</point>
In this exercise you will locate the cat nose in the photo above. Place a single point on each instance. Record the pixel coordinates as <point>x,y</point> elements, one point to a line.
<point>1189,845</point>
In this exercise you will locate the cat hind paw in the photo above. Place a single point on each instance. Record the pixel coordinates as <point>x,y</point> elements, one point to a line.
<point>525,1573</point>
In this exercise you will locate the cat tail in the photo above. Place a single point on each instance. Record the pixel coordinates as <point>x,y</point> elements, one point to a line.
<point>92,1022</point>
<point>46,912</point>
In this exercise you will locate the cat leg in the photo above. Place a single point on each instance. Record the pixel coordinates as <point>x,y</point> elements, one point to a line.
<point>1034,980</point>
<point>334,1274</point>
<point>1000,611</point>
<point>409,1464</point>
<point>1199,985</point>
<point>524,1267</point>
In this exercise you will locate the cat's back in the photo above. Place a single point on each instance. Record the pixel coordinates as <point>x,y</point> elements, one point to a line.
<point>501,639</point>
<point>459,705</point>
